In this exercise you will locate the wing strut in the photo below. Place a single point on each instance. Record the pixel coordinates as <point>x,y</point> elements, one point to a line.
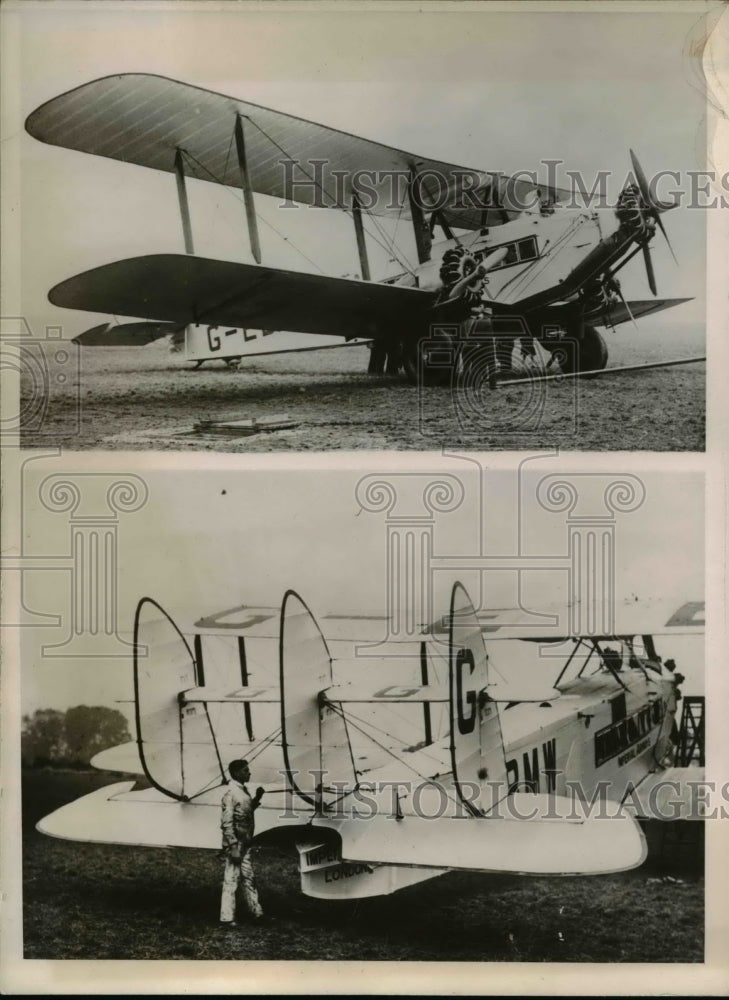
<point>184,204</point>
<point>420,226</point>
<point>364,263</point>
<point>245,184</point>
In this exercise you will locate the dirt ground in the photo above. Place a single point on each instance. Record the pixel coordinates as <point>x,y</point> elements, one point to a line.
<point>93,901</point>
<point>142,398</point>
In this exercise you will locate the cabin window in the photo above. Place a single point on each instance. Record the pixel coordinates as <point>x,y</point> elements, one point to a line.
<point>528,249</point>
<point>511,256</point>
<point>518,252</point>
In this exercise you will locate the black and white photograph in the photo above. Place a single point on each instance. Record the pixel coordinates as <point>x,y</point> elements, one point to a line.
<point>395,655</point>
<point>364,478</point>
<point>339,230</point>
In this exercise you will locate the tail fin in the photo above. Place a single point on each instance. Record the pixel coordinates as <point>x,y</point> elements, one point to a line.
<point>176,744</point>
<point>477,747</point>
<point>316,746</point>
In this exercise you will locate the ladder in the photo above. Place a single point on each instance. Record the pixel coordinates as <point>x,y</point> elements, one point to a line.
<point>690,748</point>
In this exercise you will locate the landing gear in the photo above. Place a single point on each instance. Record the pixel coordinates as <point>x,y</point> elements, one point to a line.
<point>589,353</point>
<point>443,357</point>
<point>429,360</point>
<point>385,358</point>
<point>378,357</point>
<point>231,363</point>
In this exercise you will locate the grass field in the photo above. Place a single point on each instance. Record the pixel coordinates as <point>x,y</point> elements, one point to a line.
<point>141,398</point>
<point>89,901</point>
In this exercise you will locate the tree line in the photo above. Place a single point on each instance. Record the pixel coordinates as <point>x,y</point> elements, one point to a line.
<point>50,738</point>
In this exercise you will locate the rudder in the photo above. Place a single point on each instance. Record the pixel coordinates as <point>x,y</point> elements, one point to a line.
<point>316,746</point>
<point>477,748</point>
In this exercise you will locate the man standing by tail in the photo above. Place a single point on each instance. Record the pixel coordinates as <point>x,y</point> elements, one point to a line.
<point>237,824</point>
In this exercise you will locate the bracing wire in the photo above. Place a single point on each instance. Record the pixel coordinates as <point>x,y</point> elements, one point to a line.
<point>391,247</point>
<point>251,755</point>
<point>225,174</point>
<point>399,759</point>
<point>384,246</point>
<point>239,198</point>
<point>371,725</point>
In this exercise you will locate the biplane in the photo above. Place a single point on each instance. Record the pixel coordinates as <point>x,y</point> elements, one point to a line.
<point>504,262</point>
<point>405,760</point>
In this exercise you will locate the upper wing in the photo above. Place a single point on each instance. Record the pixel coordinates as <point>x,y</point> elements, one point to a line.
<point>123,758</point>
<point>630,617</point>
<point>186,289</point>
<point>143,119</point>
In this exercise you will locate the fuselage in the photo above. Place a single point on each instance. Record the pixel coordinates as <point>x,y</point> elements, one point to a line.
<point>592,744</point>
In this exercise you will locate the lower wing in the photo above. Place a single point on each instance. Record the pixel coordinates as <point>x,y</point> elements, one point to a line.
<point>507,844</point>
<point>673,794</point>
<point>182,289</point>
<point>121,814</point>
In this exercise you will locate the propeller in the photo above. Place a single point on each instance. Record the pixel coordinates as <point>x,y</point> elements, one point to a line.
<point>654,207</point>
<point>650,274</point>
<point>652,210</point>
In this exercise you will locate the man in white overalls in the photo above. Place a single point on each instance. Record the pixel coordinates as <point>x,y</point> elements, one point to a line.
<point>237,824</point>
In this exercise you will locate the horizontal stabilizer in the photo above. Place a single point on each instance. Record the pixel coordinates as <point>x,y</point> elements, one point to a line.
<point>116,814</point>
<point>125,334</point>
<point>509,845</point>
<point>256,621</point>
<point>622,312</point>
<point>390,693</point>
<point>123,758</point>
<point>183,289</point>
<point>208,695</point>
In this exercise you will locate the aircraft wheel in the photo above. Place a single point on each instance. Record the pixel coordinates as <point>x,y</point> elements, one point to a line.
<point>562,360</point>
<point>378,358</point>
<point>426,362</point>
<point>593,350</point>
<point>505,354</point>
<point>479,367</point>
<point>589,354</point>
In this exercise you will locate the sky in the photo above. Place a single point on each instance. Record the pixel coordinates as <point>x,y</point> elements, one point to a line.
<point>244,532</point>
<point>488,89</point>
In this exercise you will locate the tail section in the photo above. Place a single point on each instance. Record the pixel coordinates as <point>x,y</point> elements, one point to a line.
<point>477,748</point>
<point>316,747</point>
<point>176,744</point>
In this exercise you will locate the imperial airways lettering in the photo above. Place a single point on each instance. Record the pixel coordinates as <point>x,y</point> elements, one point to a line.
<point>346,871</point>
<point>617,737</point>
